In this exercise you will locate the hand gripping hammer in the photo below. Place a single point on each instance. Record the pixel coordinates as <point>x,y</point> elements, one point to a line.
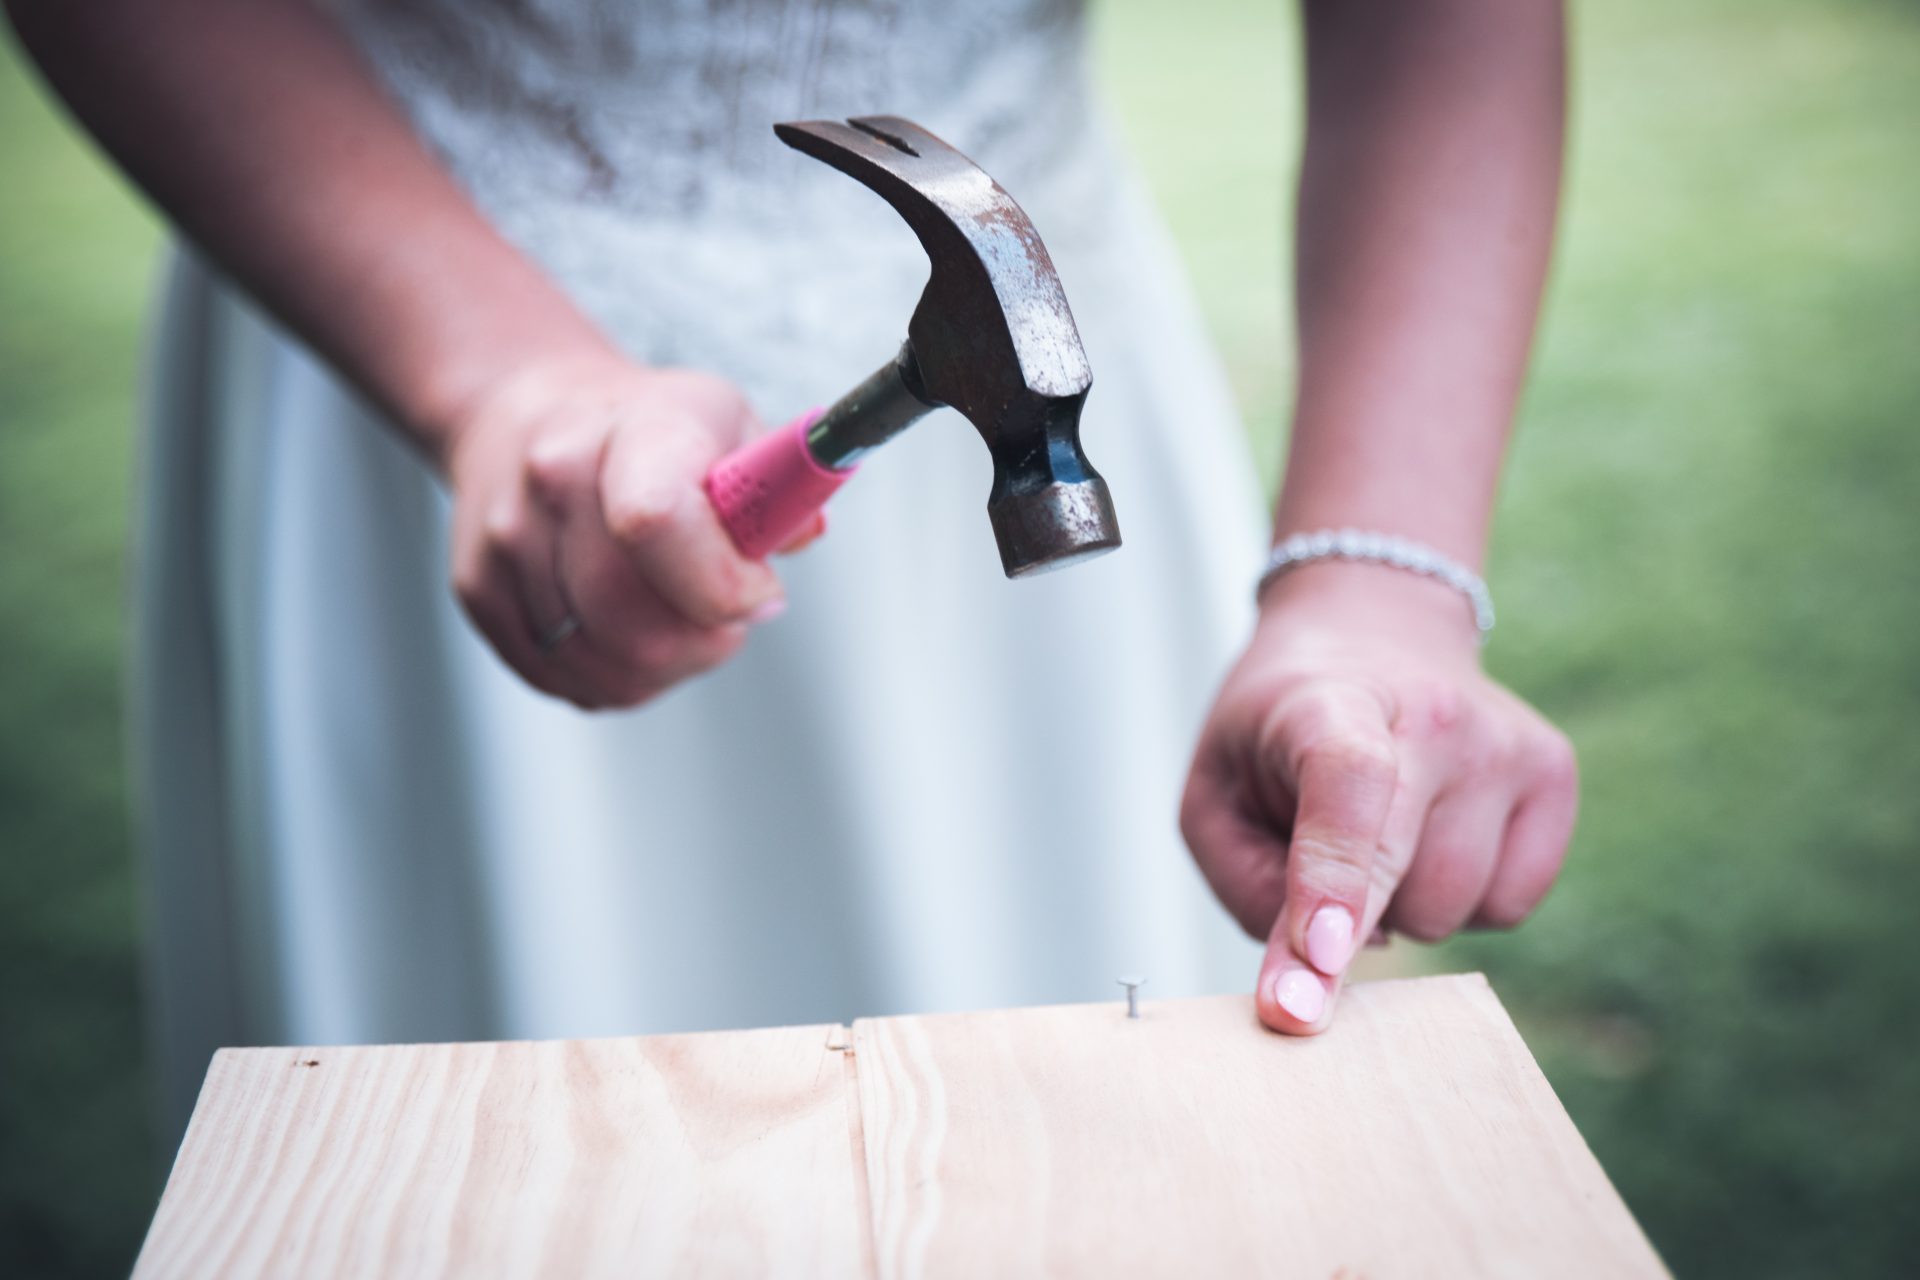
<point>991,336</point>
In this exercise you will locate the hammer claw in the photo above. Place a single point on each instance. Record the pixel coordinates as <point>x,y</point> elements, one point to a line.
<point>904,135</point>
<point>853,151</point>
<point>992,336</point>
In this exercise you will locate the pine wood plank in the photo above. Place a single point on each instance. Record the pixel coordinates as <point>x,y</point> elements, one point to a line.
<point>723,1154</point>
<point>1418,1138</point>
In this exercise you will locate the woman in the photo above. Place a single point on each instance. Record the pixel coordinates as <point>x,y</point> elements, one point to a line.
<point>555,250</point>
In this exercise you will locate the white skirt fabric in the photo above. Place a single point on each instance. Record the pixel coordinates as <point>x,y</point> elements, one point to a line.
<point>923,788</point>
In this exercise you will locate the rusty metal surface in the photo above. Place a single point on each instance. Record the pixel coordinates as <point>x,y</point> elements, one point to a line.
<point>992,334</point>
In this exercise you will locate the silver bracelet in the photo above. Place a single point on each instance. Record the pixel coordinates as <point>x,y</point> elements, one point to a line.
<point>1387,549</point>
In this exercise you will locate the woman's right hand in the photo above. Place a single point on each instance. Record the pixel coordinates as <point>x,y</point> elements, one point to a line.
<point>584,546</point>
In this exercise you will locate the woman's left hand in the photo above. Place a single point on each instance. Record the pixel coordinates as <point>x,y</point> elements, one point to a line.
<point>1359,771</point>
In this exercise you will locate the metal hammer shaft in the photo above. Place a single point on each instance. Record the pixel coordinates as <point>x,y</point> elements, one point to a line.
<point>766,492</point>
<point>880,408</point>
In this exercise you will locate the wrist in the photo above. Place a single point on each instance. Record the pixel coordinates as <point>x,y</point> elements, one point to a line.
<point>1361,598</point>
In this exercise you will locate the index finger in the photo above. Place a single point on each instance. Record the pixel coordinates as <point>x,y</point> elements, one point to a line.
<point>1333,748</point>
<point>669,530</point>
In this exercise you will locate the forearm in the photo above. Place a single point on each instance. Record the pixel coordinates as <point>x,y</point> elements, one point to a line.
<point>1426,210</point>
<point>258,129</point>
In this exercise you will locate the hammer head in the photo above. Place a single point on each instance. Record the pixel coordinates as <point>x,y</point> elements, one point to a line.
<point>991,336</point>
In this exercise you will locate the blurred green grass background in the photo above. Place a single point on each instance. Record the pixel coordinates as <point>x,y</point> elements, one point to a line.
<point>1706,564</point>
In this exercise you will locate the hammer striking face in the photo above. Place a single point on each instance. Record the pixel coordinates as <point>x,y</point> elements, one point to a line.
<point>991,336</point>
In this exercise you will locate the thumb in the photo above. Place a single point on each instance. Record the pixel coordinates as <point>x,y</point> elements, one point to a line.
<point>1331,747</point>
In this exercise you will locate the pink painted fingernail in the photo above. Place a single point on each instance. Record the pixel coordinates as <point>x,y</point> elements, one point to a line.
<point>1300,994</point>
<point>768,611</point>
<point>1330,940</point>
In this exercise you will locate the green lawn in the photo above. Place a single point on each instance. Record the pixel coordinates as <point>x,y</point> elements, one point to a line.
<point>76,1171</point>
<point>1708,567</point>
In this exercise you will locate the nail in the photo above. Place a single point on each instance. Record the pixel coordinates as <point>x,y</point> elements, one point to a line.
<point>1300,994</point>
<point>768,611</point>
<point>1330,940</point>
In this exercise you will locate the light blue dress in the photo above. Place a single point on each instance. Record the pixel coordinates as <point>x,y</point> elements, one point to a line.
<point>924,788</point>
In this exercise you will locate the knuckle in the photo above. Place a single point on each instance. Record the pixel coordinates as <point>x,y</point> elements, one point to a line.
<point>1430,710</point>
<point>1306,712</point>
<point>504,524</point>
<point>1355,755</point>
<point>1500,912</point>
<point>554,462</point>
<point>635,518</point>
<point>1331,860</point>
<point>720,595</point>
<point>729,594</point>
<point>1557,761</point>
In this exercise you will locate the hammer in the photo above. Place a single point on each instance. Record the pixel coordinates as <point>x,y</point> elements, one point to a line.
<point>991,336</point>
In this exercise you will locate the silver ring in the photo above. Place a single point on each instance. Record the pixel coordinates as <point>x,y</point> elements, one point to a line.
<point>558,634</point>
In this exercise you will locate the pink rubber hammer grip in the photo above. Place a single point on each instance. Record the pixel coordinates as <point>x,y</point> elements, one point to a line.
<point>765,492</point>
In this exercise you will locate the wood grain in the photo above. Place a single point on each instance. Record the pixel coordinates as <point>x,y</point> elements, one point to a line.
<point>723,1154</point>
<point>1417,1138</point>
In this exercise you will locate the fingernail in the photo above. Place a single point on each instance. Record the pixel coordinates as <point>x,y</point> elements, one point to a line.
<point>1300,994</point>
<point>768,611</point>
<point>1330,940</point>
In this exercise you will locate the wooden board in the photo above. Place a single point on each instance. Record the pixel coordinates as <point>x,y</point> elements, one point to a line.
<point>1417,1138</point>
<point>724,1154</point>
